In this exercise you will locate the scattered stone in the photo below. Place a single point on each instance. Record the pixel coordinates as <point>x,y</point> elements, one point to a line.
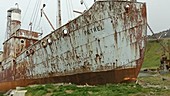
<point>20,88</point>
<point>164,79</point>
<point>90,92</point>
<point>145,70</point>
<point>49,94</point>
<point>152,93</point>
<point>69,91</point>
<point>165,87</point>
<point>17,93</point>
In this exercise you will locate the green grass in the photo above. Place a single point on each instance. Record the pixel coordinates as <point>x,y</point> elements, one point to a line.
<point>153,53</point>
<point>130,89</point>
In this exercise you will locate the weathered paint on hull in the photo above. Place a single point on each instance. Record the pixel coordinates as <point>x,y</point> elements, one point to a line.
<point>92,78</point>
<point>104,45</point>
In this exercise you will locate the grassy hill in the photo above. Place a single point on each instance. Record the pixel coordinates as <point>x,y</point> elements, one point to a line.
<point>153,52</point>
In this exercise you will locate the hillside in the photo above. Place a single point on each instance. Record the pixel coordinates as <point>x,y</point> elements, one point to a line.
<point>153,53</point>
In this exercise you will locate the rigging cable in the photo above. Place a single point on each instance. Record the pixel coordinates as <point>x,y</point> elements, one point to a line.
<point>68,10</point>
<point>157,39</point>
<point>26,10</point>
<point>37,11</point>
<point>83,2</point>
<point>33,12</point>
<point>39,22</point>
<point>71,9</point>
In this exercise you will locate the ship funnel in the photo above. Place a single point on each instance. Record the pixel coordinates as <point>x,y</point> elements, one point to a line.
<point>13,20</point>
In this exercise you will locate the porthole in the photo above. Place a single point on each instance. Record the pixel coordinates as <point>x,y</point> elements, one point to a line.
<point>27,53</point>
<point>22,41</point>
<point>127,8</point>
<point>31,51</point>
<point>44,44</point>
<point>49,41</point>
<point>65,31</point>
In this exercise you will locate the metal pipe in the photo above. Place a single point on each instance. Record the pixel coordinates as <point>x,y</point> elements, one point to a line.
<point>77,12</point>
<point>47,19</point>
<point>59,13</point>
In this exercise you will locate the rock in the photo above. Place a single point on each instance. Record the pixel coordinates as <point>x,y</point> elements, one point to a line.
<point>164,79</point>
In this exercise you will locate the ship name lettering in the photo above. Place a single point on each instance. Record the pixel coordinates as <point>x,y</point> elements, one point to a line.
<point>93,29</point>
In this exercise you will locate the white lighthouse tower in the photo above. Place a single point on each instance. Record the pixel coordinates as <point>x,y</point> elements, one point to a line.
<point>13,21</point>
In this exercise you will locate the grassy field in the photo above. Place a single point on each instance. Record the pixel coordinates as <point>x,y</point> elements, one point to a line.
<point>153,53</point>
<point>131,89</point>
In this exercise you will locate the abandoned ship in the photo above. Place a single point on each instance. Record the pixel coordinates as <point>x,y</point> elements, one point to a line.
<point>105,44</point>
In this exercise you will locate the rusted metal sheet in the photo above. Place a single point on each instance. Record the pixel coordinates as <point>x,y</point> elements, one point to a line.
<point>104,45</point>
<point>92,78</point>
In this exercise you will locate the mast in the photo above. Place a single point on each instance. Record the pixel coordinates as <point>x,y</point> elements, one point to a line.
<point>59,14</point>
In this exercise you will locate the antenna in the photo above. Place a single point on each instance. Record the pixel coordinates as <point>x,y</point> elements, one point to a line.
<point>16,4</point>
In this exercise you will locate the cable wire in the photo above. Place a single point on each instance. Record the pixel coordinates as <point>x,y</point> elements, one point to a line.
<point>68,16</point>
<point>157,38</point>
<point>26,10</point>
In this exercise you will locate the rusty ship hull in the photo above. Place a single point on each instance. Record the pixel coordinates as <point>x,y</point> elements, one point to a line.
<point>105,44</point>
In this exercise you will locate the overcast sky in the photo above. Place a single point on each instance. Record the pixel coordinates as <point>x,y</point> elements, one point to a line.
<point>157,10</point>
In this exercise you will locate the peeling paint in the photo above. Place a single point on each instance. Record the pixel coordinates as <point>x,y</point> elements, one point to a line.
<point>106,42</point>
